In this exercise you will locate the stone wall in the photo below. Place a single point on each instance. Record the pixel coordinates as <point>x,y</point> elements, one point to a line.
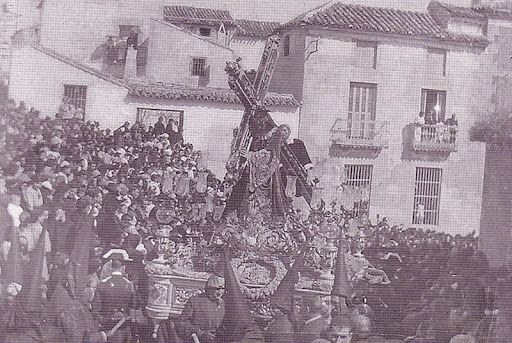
<point>170,55</point>
<point>401,73</point>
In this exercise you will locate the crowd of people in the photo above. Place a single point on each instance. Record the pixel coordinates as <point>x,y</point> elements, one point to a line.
<point>83,200</point>
<point>83,190</point>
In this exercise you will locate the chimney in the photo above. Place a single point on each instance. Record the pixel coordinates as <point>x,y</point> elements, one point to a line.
<point>130,68</point>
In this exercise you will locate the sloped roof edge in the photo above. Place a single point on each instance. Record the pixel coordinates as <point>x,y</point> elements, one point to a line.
<point>170,25</point>
<point>80,66</point>
<point>459,11</point>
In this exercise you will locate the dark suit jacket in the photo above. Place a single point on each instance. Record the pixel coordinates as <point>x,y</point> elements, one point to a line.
<point>114,294</point>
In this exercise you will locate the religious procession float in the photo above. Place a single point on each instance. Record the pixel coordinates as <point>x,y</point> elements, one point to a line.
<point>256,220</point>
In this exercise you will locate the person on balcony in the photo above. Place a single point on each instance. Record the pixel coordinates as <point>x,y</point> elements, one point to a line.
<point>453,125</point>
<point>419,121</point>
<point>430,117</point>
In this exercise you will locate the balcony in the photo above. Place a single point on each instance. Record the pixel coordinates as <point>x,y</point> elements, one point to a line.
<point>364,134</point>
<point>437,137</point>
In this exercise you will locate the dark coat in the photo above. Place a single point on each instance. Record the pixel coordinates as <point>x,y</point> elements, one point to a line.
<point>158,129</point>
<point>114,294</point>
<point>299,150</point>
<point>199,313</point>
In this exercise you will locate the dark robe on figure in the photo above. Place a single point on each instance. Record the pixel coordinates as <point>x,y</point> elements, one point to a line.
<point>299,150</point>
<point>80,255</point>
<point>108,225</point>
<point>78,222</point>
<point>60,275</point>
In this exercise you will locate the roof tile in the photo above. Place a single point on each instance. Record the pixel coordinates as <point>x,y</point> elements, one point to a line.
<point>197,15</point>
<point>383,20</point>
<point>253,28</point>
<point>221,95</point>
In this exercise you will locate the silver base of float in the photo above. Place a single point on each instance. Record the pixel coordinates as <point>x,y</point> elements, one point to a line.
<point>168,295</point>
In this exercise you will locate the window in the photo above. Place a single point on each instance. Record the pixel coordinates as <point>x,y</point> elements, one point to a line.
<point>149,116</point>
<point>427,195</point>
<point>365,55</point>
<point>199,66</point>
<point>436,61</point>
<point>361,110</point>
<point>286,45</point>
<point>357,186</point>
<point>433,104</point>
<point>205,31</point>
<point>77,95</point>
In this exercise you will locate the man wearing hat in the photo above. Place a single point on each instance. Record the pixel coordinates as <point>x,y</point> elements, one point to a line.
<point>115,298</point>
<point>203,313</point>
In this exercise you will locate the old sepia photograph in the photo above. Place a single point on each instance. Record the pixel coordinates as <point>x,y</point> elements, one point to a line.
<point>256,171</point>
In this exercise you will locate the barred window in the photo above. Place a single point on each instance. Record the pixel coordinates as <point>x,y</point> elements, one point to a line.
<point>77,95</point>
<point>357,184</point>
<point>427,195</point>
<point>198,66</point>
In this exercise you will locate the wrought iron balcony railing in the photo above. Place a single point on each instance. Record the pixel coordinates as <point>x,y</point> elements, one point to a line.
<point>360,133</point>
<point>437,137</point>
